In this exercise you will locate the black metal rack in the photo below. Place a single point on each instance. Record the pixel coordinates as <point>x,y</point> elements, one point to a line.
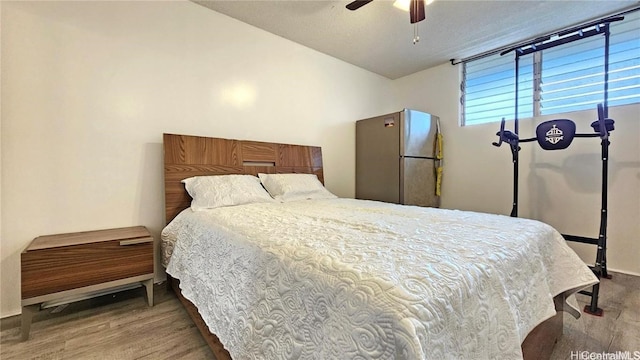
<point>601,127</point>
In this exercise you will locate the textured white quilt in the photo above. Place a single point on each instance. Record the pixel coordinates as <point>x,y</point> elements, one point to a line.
<point>354,279</point>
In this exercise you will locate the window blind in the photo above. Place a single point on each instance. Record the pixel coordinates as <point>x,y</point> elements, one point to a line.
<point>624,61</point>
<point>571,77</point>
<point>489,88</point>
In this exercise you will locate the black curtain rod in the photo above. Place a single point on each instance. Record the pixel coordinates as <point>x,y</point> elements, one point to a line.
<point>562,32</point>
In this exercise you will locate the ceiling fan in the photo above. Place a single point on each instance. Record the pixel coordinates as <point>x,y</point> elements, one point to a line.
<point>416,8</point>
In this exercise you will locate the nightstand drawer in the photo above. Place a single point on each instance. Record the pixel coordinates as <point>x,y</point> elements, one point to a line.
<point>51,270</point>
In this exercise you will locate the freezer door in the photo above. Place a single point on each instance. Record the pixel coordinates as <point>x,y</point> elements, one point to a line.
<point>418,182</point>
<point>419,133</point>
<point>377,158</point>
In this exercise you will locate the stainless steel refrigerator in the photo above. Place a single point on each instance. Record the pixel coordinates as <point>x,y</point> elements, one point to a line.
<point>396,158</point>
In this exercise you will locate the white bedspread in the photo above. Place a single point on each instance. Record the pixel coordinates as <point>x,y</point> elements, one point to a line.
<point>353,279</point>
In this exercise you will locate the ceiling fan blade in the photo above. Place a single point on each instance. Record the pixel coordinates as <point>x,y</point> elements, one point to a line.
<point>357,4</point>
<point>416,11</point>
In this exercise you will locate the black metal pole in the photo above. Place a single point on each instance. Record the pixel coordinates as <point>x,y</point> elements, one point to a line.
<point>605,158</point>
<point>602,246</point>
<point>606,71</point>
<point>514,159</point>
<point>514,148</point>
<point>600,267</point>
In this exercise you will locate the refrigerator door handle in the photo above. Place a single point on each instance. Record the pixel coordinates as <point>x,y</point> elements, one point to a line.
<point>417,157</point>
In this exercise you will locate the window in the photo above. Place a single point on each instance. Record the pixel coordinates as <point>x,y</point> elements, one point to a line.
<point>489,85</point>
<point>570,77</point>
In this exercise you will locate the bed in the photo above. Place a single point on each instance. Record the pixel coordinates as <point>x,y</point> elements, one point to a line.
<point>344,278</point>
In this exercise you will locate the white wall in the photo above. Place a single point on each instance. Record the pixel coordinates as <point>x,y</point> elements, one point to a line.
<point>88,88</point>
<point>561,188</point>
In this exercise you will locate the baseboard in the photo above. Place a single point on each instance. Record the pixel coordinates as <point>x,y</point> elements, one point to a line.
<point>623,272</point>
<point>11,314</point>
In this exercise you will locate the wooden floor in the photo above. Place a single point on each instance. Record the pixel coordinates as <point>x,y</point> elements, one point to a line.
<point>123,327</point>
<point>617,330</point>
<point>119,326</point>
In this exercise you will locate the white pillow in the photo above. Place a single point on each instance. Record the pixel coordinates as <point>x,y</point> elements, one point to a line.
<point>210,192</point>
<point>292,187</point>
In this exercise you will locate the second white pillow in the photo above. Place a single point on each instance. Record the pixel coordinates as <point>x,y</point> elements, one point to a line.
<point>293,187</point>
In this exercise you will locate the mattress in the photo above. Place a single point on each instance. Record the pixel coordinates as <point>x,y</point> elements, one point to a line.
<point>345,278</point>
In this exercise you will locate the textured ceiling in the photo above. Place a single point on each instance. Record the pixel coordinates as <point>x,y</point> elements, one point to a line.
<point>378,37</point>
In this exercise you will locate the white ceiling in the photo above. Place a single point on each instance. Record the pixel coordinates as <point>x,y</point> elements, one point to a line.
<point>378,37</point>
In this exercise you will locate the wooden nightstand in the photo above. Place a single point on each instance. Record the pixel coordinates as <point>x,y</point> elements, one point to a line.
<point>64,265</point>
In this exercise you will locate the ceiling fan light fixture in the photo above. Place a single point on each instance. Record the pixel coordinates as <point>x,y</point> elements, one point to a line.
<point>404,4</point>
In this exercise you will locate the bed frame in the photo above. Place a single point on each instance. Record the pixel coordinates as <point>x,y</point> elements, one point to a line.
<point>186,156</point>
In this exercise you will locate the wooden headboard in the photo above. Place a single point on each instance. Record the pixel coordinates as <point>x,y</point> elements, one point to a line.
<point>186,156</point>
